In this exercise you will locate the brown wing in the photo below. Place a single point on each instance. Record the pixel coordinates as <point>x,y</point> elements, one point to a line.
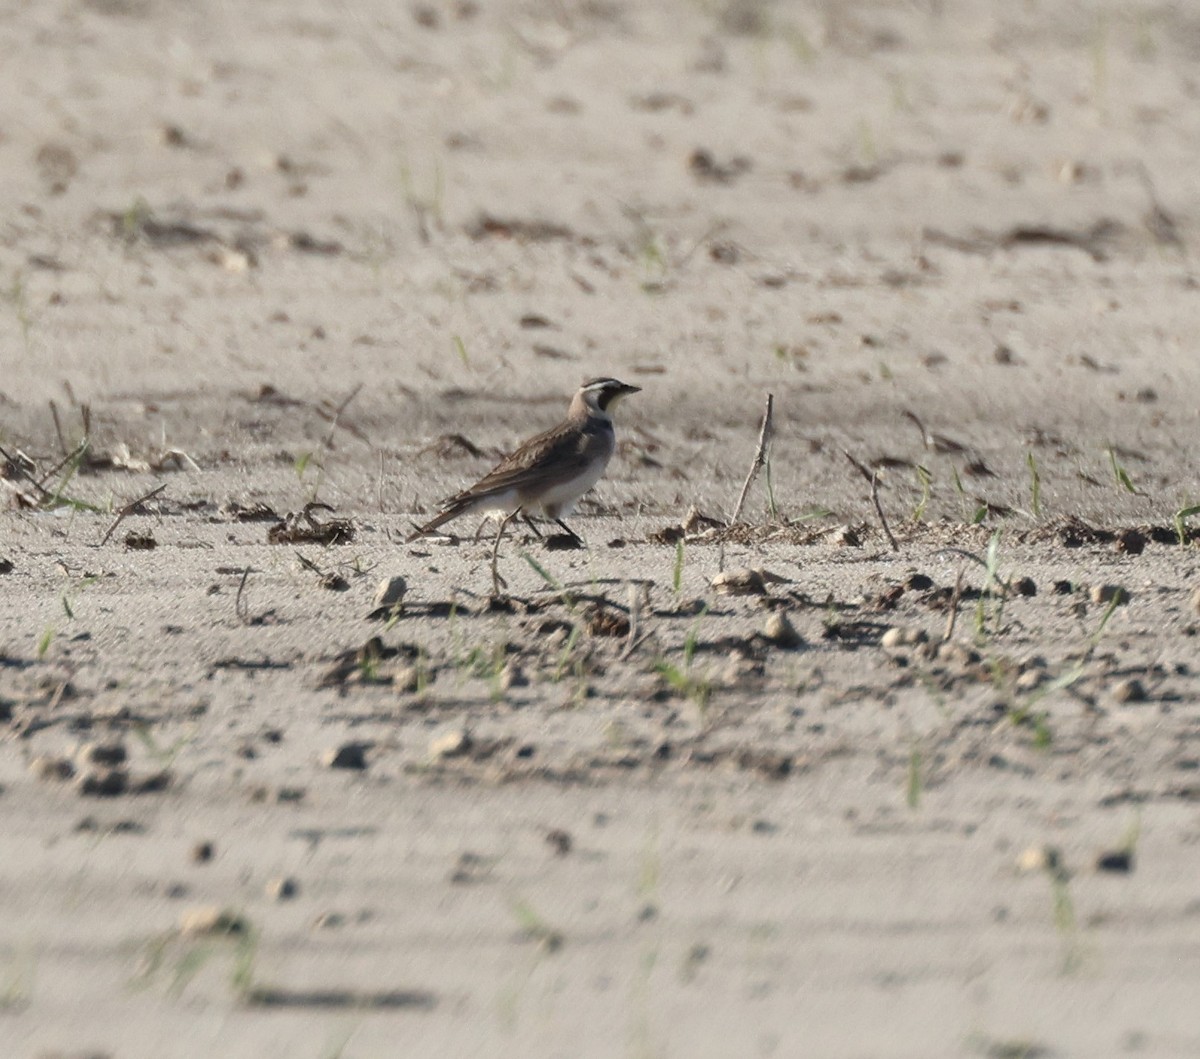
<point>558,455</point>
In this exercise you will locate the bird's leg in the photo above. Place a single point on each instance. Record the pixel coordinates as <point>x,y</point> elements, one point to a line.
<point>570,532</point>
<point>531,524</point>
<point>497,581</point>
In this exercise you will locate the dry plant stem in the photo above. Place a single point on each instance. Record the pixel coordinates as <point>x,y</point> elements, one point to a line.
<point>15,463</point>
<point>873,478</point>
<point>62,441</point>
<point>638,601</point>
<point>128,510</point>
<point>75,453</point>
<point>954,601</point>
<point>498,582</point>
<point>335,415</point>
<point>760,457</point>
<point>243,614</point>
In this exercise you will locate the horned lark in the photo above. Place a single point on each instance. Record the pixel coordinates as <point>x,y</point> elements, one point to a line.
<point>550,472</point>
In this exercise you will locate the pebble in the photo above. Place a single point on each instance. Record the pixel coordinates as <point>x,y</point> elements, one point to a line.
<point>1118,861</point>
<point>1196,601</point>
<point>283,888</point>
<point>406,679</point>
<point>1030,679</point>
<point>1025,586</point>
<point>1129,690</point>
<point>389,594</point>
<point>454,743</point>
<point>203,852</point>
<point>741,582</point>
<point>210,919</point>
<point>1131,542</point>
<point>781,632</point>
<point>899,636</point>
<point>1109,593</point>
<point>101,754</point>
<point>102,782</point>
<point>346,756</point>
<point>48,767</point>
<point>1039,858</point>
<point>513,676</point>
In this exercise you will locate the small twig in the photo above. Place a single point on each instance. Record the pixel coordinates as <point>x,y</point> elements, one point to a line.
<point>379,488</point>
<point>62,441</point>
<point>20,466</point>
<point>760,457</point>
<point>334,416</point>
<point>954,601</point>
<point>639,632</point>
<point>128,510</point>
<point>498,582</point>
<point>243,615</point>
<point>76,453</point>
<point>872,476</point>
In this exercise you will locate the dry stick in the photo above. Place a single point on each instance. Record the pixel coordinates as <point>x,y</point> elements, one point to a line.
<point>954,600</point>
<point>128,510</point>
<point>873,478</point>
<point>243,616</point>
<point>62,441</point>
<point>760,457</point>
<point>497,581</point>
<point>335,415</point>
<point>18,467</point>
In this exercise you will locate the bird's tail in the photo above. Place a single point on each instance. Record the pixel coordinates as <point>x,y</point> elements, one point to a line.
<point>455,507</point>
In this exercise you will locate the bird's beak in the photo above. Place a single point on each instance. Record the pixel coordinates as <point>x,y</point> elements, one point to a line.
<point>627,389</point>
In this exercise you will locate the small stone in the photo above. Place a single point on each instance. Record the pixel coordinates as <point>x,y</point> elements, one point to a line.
<point>1025,586</point>
<point>210,920</point>
<point>780,631</point>
<point>1131,542</point>
<point>1030,679</point>
<point>406,679</point>
<point>1196,601</point>
<point>1129,690</point>
<point>329,921</point>
<point>1118,861</point>
<point>1039,858</point>
<point>347,756</point>
<point>898,636</point>
<point>203,852</point>
<point>1063,588</point>
<point>283,888</point>
<point>846,536</point>
<point>919,582</point>
<point>151,782</point>
<point>1110,594</point>
<point>454,743</point>
<point>741,582</point>
<point>6,566</point>
<point>389,596</point>
<point>233,259</point>
<point>100,754</point>
<point>513,676</point>
<point>102,782</point>
<point>48,767</point>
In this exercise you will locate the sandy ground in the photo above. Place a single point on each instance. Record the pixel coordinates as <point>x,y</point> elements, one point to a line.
<point>938,800</point>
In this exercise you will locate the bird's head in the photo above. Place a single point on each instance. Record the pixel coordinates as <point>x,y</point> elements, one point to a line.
<point>600,396</point>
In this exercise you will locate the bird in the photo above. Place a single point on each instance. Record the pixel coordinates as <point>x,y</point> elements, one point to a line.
<point>548,473</point>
